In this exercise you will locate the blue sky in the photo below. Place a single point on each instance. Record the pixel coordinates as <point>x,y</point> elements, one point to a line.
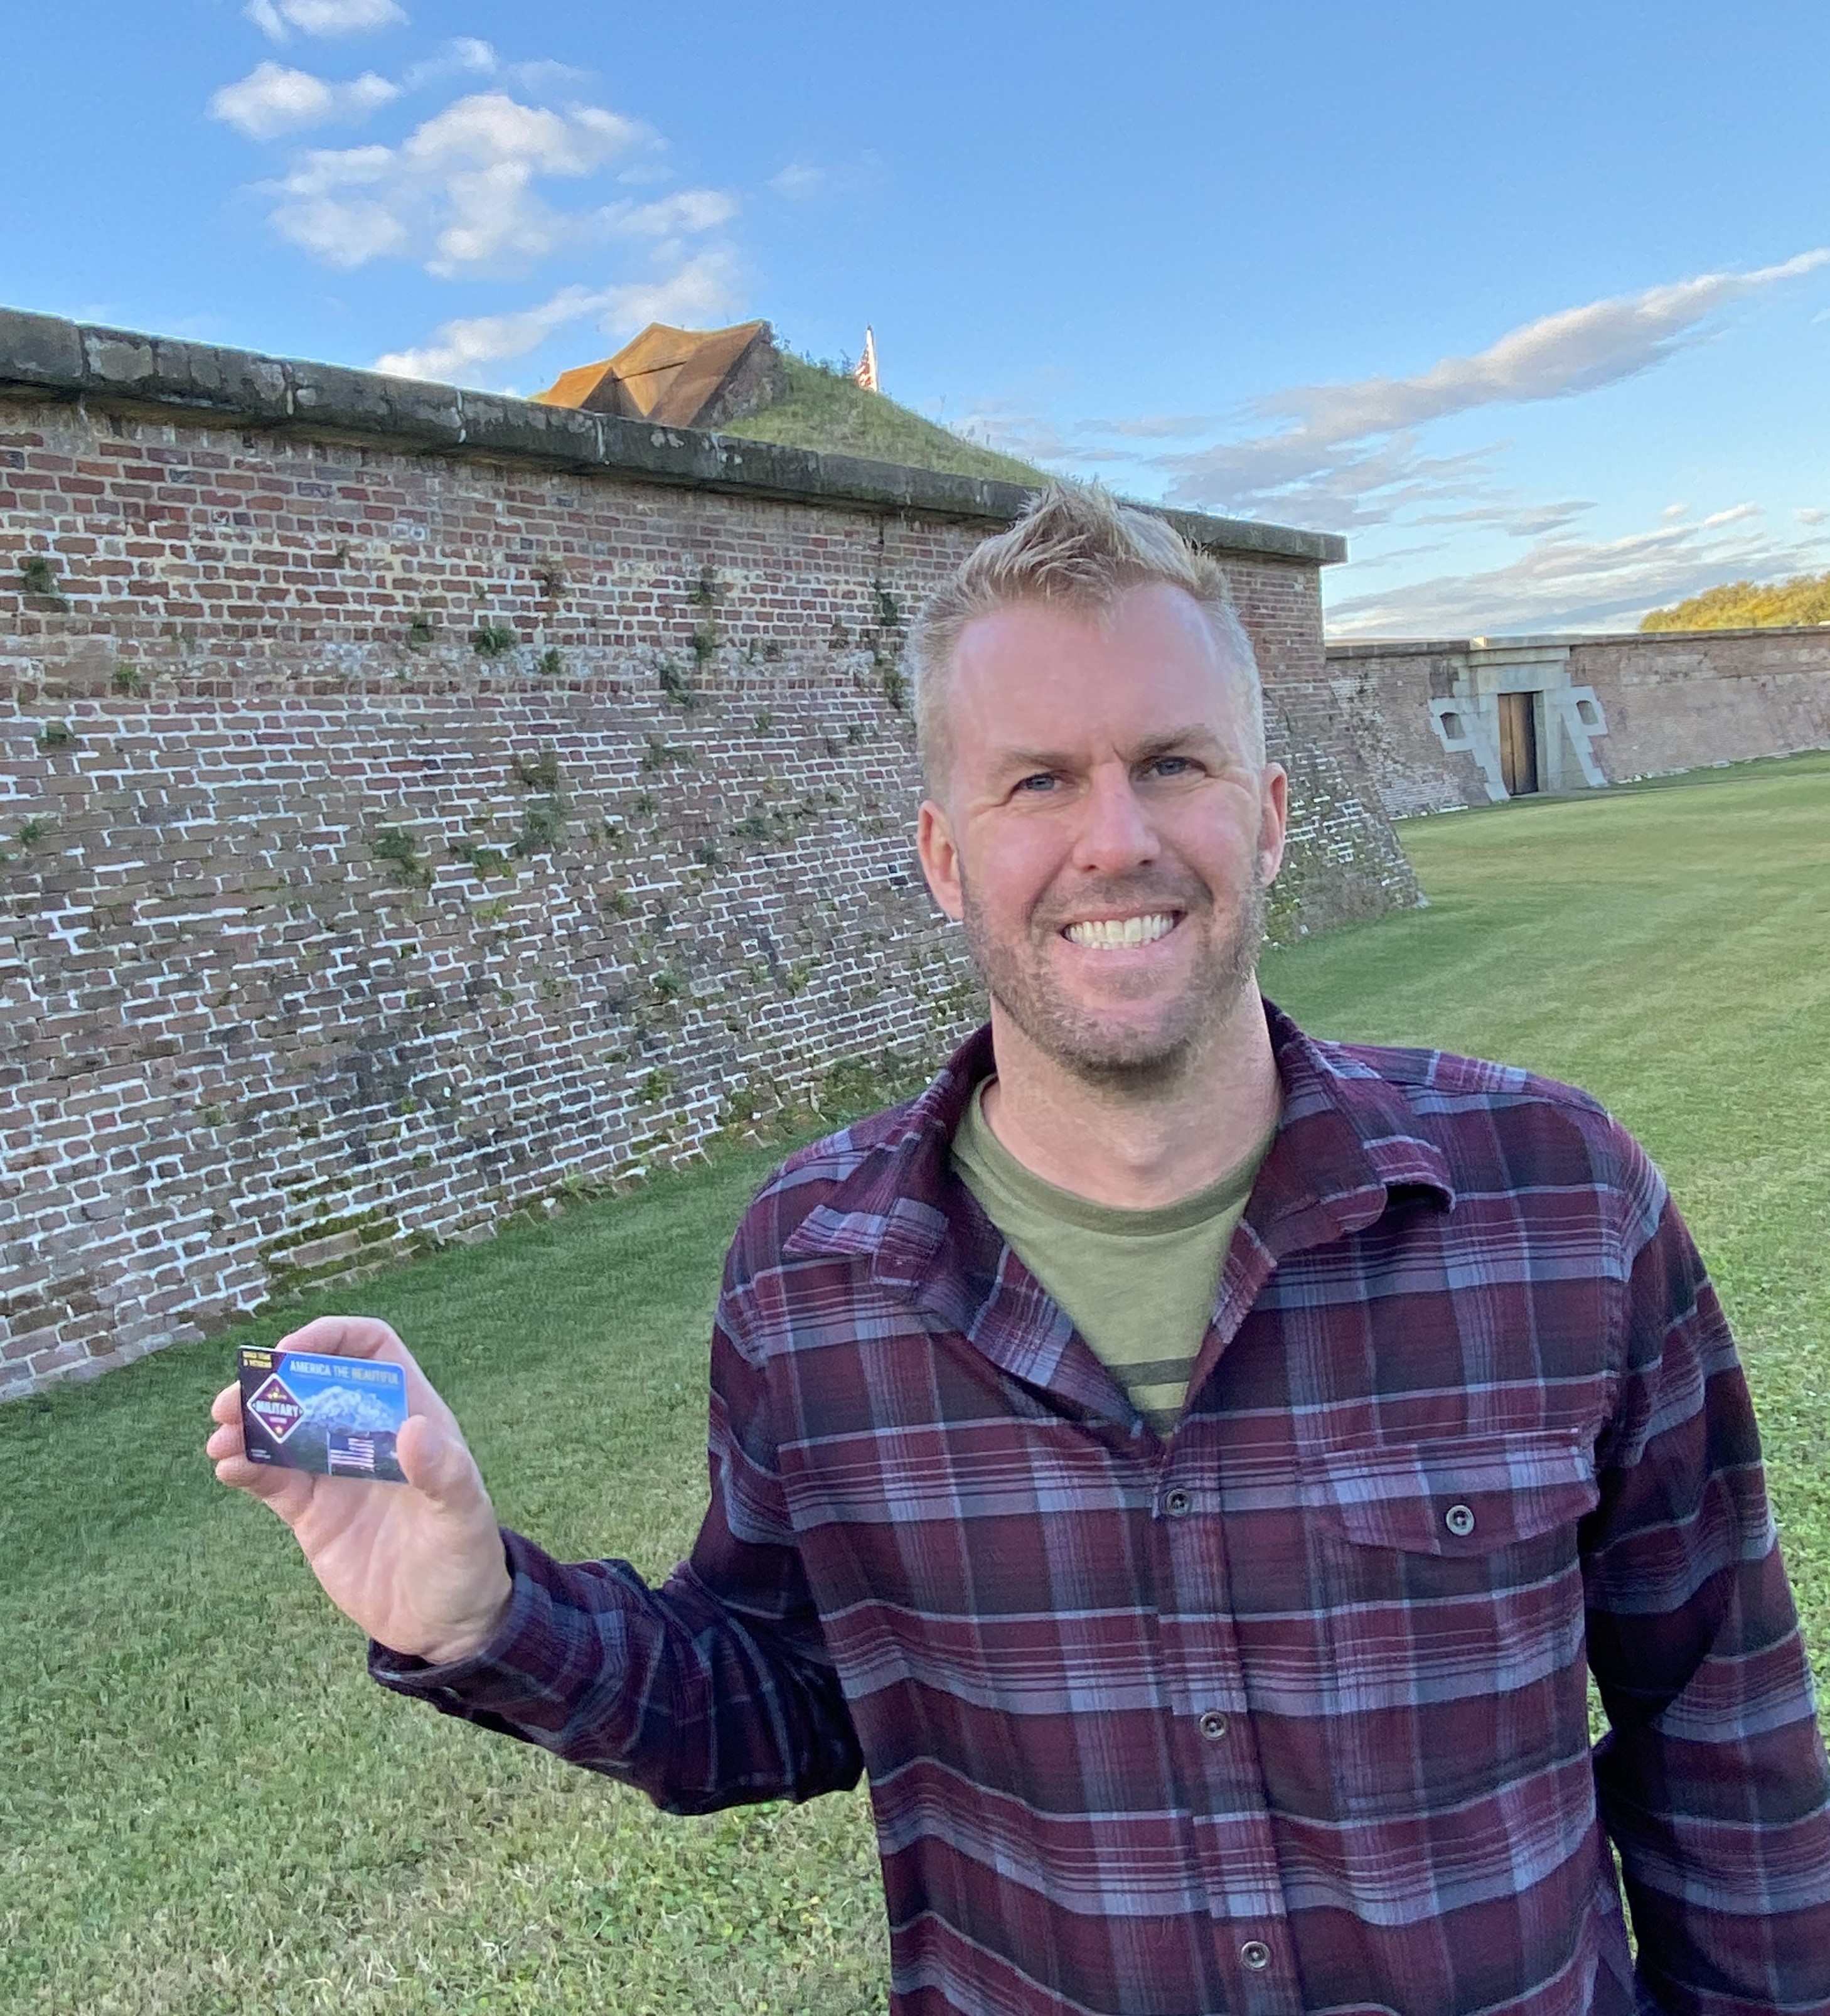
<point>1533,305</point>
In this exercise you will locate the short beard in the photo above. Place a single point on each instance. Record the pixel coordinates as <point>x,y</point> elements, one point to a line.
<point>1129,1065</point>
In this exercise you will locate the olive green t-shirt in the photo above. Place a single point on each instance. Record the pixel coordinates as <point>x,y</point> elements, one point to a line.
<point>1140,1285</point>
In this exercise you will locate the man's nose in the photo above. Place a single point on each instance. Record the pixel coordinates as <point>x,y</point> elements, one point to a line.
<point>1115,834</point>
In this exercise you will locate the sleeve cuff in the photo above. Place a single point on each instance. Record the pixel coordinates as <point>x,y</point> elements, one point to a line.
<point>509,1665</point>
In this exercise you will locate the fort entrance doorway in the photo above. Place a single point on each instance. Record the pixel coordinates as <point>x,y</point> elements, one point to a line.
<point>1518,743</point>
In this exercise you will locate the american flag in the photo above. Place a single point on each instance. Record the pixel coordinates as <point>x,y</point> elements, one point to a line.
<point>354,1452</point>
<point>866,374</point>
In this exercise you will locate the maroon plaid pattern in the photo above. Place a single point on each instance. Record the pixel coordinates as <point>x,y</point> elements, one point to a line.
<point>1288,1713</point>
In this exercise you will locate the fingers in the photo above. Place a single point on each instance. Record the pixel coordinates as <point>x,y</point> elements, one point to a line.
<point>287,1491</point>
<point>227,1406</point>
<point>368,1337</point>
<point>347,1337</point>
<point>225,1440</point>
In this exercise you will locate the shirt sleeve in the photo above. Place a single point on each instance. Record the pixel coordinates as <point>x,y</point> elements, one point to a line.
<point>1712,1780</point>
<point>714,1689</point>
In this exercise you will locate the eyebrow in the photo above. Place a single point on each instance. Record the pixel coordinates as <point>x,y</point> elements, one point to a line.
<point>1146,751</point>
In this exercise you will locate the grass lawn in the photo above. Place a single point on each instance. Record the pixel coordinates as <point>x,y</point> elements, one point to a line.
<point>205,1805</point>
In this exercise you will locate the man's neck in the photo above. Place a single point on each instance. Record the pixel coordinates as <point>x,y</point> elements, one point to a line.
<point>1138,1149</point>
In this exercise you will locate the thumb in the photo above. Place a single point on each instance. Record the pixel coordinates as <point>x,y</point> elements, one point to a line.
<point>438,1464</point>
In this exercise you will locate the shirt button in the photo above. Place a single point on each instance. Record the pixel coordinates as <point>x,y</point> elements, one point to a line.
<point>1178,1503</point>
<point>1459,1519</point>
<point>1255,1955</point>
<point>1213,1726</point>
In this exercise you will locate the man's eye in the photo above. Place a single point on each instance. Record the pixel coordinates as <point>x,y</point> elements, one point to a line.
<point>1171,766</point>
<point>1042,780</point>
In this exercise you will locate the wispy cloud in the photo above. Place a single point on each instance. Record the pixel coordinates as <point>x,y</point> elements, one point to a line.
<point>1352,455</point>
<point>704,289</point>
<point>1348,450</point>
<point>469,55</point>
<point>464,55</point>
<point>277,19</point>
<point>271,100</point>
<point>1565,584</point>
<point>799,178</point>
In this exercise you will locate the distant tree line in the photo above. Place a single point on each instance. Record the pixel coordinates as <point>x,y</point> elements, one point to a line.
<point>1749,604</point>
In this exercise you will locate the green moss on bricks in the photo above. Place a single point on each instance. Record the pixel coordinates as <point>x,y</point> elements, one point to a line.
<point>483,862</point>
<point>398,849</point>
<point>543,827</point>
<point>355,1242</point>
<point>672,682</point>
<point>540,773</point>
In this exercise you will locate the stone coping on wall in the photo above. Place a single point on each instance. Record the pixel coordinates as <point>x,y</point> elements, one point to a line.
<point>48,358</point>
<point>1420,647</point>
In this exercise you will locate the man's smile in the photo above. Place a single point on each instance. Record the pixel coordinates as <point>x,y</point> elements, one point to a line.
<point>1118,934</point>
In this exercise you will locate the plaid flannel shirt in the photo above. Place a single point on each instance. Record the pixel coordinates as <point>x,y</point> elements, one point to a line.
<point>1288,1713</point>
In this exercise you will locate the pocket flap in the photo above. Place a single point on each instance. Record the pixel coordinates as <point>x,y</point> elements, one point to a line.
<point>1456,1498</point>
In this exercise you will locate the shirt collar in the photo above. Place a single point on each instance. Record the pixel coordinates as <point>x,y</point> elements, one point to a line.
<point>1345,1141</point>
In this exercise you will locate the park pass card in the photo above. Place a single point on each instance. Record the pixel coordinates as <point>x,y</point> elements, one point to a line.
<point>338,1416</point>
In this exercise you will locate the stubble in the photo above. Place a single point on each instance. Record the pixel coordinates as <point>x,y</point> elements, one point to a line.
<point>1100,1052</point>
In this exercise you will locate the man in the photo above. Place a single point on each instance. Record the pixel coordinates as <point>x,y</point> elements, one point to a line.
<point>1193,1469</point>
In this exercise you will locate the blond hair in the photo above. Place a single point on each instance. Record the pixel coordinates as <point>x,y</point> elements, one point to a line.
<point>1076,544</point>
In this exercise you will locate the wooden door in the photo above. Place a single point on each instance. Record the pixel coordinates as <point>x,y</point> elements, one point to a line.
<point>1518,743</point>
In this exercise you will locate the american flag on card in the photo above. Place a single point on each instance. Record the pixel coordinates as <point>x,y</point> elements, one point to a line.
<point>352,1456</point>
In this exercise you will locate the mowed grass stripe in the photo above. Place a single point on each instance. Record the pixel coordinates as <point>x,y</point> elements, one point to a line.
<point>205,1805</point>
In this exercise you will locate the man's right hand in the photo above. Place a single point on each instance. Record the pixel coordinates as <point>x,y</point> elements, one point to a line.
<point>419,1566</point>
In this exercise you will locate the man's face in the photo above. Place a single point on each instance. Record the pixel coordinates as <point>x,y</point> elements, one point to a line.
<point>1106,836</point>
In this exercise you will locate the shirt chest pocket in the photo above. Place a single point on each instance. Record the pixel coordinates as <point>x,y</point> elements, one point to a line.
<point>1452,1615</point>
<point>1460,1554</point>
<point>1460,1500</point>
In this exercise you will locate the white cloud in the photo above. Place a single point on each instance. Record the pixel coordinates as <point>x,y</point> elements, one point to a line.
<point>798,179</point>
<point>458,193</point>
<point>1324,458</point>
<point>276,19</point>
<point>1810,514</point>
<point>271,100</point>
<point>1561,583</point>
<point>690,209</point>
<point>1521,521</point>
<point>469,55</point>
<point>705,289</point>
<point>1576,350</point>
<point>465,55</point>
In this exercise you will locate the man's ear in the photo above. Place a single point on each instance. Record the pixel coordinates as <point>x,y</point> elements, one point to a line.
<point>1273,819</point>
<point>940,858</point>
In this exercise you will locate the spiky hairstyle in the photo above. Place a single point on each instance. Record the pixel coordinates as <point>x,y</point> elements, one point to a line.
<point>1076,544</point>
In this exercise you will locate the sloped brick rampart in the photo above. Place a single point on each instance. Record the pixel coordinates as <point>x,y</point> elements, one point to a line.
<point>395,839</point>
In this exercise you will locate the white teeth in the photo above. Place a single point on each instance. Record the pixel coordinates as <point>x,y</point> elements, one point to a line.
<point>1109,934</point>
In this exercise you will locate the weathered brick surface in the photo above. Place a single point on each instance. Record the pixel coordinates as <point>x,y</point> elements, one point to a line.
<point>1676,699</point>
<point>1672,700</point>
<point>324,937</point>
<point>1384,698</point>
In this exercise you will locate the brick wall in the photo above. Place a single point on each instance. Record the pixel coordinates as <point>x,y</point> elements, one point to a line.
<point>1676,699</point>
<point>394,839</point>
<point>1672,700</point>
<point>1383,697</point>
